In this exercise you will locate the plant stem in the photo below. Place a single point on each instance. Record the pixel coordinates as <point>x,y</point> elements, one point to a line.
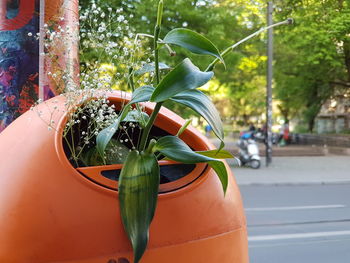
<point>131,79</point>
<point>149,125</point>
<point>288,21</point>
<point>155,40</point>
<point>156,52</point>
<point>155,112</point>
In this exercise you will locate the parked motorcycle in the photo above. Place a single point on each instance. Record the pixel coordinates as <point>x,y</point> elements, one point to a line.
<point>260,136</point>
<point>248,152</point>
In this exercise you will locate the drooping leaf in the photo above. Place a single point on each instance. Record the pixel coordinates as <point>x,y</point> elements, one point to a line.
<point>220,169</point>
<point>192,41</point>
<point>115,153</point>
<point>150,68</point>
<point>222,154</point>
<point>175,149</point>
<point>138,192</point>
<point>142,94</point>
<point>140,117</point>
<point>201,103</point>
<point>184,76</point>
<point>104,136</point>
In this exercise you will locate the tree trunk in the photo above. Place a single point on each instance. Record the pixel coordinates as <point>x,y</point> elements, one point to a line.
<point>285,113</point>
<point>346,47</point>
<point>245,119</point>
<point>311,125</point>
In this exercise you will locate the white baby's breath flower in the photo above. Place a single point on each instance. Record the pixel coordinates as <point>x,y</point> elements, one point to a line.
<point>120,18</point>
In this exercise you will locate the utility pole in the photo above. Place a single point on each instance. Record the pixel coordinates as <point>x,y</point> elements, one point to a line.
<point>269,85</point>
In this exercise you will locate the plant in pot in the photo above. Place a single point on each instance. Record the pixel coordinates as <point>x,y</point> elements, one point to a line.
<point>141,151</point>
<point>100,133</point>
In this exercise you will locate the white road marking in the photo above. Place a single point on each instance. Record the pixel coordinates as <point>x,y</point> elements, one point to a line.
<point>298,235</point>
<point>286,208</point>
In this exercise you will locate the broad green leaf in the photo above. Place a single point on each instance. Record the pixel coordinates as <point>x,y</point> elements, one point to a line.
<point>200,103</point>
<point>115,151</point>
<point>140,117</point>
<point>175,149</point>
<point>184,76</point>
<point>142,94</point>
<point>104,136</point>
<point>138,192</point>
<point>192,41</point>
<point>222,154</point>
<point>150,68</point>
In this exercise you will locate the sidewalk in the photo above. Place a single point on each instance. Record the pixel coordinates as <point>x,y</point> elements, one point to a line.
<point>294,164</point>
<point>289,150</point>
<point>296,170</point>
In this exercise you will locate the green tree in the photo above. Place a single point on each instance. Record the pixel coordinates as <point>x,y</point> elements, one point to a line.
<point>312,57</point>
<point>224,22</point>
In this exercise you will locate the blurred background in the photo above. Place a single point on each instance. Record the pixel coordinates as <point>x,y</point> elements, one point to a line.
<point>311,58</point>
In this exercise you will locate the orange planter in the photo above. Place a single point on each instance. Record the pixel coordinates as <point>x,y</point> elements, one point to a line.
<point>50,212</point>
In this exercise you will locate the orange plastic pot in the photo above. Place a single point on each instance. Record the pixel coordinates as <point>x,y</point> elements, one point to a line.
<point>50,212</point>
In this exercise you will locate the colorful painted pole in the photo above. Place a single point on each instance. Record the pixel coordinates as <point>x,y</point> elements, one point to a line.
<point>33,64</point>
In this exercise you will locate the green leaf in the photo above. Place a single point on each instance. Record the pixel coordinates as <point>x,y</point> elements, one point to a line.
<point>192,41</point>
<point>91,157</point>
<point>175,149</point>
<point>201,103</point>
<point>184,76</point>
<point>183,128</point>
<point>140,117</point>
<point>116,153</point>
<point>104,136</point>
<point>222,154</point>
<point>142,94</point>
<point>138,192</point>
<point>150,68</point>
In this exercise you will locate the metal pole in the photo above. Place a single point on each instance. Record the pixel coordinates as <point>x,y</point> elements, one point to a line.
<point>41,51</point>
<point>269,86</point>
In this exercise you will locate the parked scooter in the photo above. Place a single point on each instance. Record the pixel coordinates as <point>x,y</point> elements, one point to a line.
<point>248,150</point>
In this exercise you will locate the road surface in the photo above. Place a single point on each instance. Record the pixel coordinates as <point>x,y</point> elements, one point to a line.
<point>298,223</point>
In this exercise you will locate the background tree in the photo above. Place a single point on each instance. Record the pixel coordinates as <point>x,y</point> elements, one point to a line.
<point>224,22</point>
<point>312,57</point>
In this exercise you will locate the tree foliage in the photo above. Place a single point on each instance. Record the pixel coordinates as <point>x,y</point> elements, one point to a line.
<point>312,57</point>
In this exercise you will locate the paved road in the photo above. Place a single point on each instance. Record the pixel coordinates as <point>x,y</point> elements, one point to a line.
<point>298,223</point>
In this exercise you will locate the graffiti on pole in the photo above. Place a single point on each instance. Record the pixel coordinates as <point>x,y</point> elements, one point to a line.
<point>19,64</point>
<point>26,58</point>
